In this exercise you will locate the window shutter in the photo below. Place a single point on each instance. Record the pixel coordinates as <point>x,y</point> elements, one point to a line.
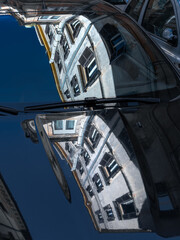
<point>86,57</point>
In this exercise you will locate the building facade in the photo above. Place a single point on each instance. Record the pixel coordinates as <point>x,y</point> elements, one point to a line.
<point>12,224</point>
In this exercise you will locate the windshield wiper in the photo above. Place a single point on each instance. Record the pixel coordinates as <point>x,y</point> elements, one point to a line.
<point>90,102</point>
<point>9,110</point>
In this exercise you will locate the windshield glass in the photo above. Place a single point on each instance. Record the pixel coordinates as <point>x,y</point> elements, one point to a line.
<point>73,51</point>
<point>103,56</point>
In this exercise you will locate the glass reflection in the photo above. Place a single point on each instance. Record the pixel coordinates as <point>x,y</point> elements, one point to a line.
<point>104,56</point>
<point>101,157</point>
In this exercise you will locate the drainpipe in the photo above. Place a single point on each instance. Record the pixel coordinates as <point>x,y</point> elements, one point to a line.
<point>57,39</point>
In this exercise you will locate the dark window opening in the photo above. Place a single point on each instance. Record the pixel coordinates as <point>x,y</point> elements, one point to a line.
<point>109,167</point>
<point>97,180</point>
<point>58,125</point>
<point>90,191</point>
<point>75,86</point>
<point>47,29</point>
<point>109,212</point>
<point>56,57</point>
<point>86,156</point>
<point>65,46</point>
<point>79,167</point>
<point>67,147</point>
<point>114,41</point>
<point>99,215</point>
<point>88,68</point>
<point>125,207</point>
<point>67,93</point>
<point>94,136</point>
<point>70,124</point>
<point>49,33</point>
<point>74,28</point>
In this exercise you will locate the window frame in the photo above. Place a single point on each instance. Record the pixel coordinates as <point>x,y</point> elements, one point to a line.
<point>73,33</point>
<point>152,33</point>
<point>86,60</point>
<point>64,130</point>
<point>74,83</point>
<point>65,45</point>
<point>104,168</point>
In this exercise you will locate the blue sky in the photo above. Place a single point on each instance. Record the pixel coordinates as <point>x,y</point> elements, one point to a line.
<point>25,72</point>
<point>26,77</point>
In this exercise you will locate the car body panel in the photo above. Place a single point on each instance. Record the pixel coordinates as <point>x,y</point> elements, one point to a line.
<point>173,52</point>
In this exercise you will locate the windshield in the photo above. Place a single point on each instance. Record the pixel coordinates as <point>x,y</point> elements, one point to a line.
<point>103,56</point>
<point>70,52</point>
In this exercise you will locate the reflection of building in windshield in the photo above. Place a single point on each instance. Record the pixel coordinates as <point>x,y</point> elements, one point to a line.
<point>103,162</point>
<point>78,57</point>
<point>12,225</point>
<point>100,58</point>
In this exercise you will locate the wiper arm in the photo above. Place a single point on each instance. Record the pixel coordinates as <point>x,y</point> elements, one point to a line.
<point>9,110</point>
<point>90,102</point>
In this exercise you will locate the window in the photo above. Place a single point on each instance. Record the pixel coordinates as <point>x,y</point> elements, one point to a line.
<point>109,212</point>
<point>134,8</point>
<point>90,191</point>
<point>75,86</point>
<point>86,157</point>
<point>64,126</point>
<point>80,168</point>
<point>99,215</point>
<point>49,17</point>
<point>109,167</point>
<point>56,57</point>
<point>69,124</point>
<point>114,41</point>
<point>59,66</point>
<point>74,28</point>
<point>55,17</point>
<point>96,179</point>
<point>94,136</point>
<point>88,68</point>
<point>44,17</point>
<point>58,125</point>
<point>65,46</point>
<point>67,147</point>
<point>125,207</point>
<point>160,20</point>
<point>164,200</point>
<point>67,93</point>
<point>48,31</point>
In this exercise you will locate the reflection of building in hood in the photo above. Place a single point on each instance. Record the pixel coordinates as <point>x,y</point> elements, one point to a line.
<point>126,164</point>
<point>106,169</point>
<point>12,225</point>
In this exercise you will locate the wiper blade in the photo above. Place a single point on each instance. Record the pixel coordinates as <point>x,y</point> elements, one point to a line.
<point>90,102</point>
<point>9,110</point>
